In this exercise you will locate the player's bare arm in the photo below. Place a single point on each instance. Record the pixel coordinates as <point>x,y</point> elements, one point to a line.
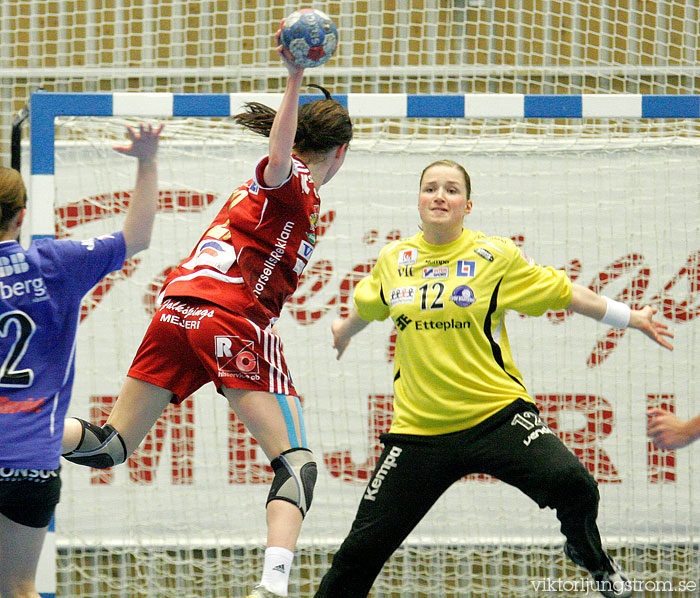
<point>586,302</point>
<point>284,127</point>
<point>138,225</point>
<point>344,329</point>
<point>670,432</point>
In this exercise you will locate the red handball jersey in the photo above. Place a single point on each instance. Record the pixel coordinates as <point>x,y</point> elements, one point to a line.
<point>250,259</point>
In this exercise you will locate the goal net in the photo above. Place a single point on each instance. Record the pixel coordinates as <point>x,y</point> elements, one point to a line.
<point>612,201</point>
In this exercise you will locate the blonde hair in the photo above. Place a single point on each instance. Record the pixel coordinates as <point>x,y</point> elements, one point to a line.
<point>13,195</point>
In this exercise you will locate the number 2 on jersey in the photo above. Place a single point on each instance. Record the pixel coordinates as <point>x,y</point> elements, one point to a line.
<point>24,329</point>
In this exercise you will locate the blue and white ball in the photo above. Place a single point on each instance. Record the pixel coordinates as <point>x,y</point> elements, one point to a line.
<point>310,36</point>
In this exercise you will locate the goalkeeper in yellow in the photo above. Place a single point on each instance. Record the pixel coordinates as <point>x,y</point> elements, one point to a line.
<point>460,403</point>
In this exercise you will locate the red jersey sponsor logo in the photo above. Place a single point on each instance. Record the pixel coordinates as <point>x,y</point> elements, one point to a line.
<point>273,259</point>
<point>213,253</point>
<point>240,364</point>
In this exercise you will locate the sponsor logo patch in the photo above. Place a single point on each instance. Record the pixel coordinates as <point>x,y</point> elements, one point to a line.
<point>533,425</point>
<point>389,462</point>
<point>485,253</point>
<point>182,315</point>
<point>443,325</point>
<point>305,250</point>
<point>436,272</point>
<point>12,474</point>
<point>402,295</point>
<point>408,257</point>
<point>466,268</point>
<point>211,252</point>
<point>402,321</point>
<point>89,244</point>
<point>33,287</point>
<point>242,364</point>
<point>275,256</point>
<point>463,296</point>
<point>299,266</point>
<point>15,263</point>
<point>26,406</point>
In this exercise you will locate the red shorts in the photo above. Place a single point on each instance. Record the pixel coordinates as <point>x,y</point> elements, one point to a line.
<point>191,342</point>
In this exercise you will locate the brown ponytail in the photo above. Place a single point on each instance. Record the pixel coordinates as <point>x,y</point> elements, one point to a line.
<point>321,126</point>
<point>13,195</point>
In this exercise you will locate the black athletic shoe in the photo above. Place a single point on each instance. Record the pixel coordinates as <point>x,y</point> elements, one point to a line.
<point>610,580</point>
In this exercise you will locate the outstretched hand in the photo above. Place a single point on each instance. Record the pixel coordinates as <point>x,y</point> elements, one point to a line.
<point>340,339</point>
<point>144,142</point>
<point>666,430</point>
<point>344,329</point>
<point>643,319</point>
<point>286,56</point>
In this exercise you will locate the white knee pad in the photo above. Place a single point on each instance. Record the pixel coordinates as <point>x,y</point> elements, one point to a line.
<point>98,447</point>
<point>295,478</point>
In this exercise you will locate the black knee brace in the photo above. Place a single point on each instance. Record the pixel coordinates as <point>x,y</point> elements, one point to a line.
<point>295,478</point>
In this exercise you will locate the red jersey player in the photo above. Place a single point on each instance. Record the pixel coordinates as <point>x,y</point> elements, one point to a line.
<point>249,268</point>
<point>215,322</point>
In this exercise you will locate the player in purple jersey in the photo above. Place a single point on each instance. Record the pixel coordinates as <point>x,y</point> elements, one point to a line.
<point>40,293</point>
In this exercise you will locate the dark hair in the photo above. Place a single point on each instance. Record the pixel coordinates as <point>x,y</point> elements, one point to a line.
<point>321,125</point>
<point>13,195</point>
<point>451,164</point>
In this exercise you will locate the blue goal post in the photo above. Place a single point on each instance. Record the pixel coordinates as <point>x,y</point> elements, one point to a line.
<point>45,107</point>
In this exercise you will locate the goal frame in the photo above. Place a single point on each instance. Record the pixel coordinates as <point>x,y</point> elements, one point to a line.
<point>45,107</point>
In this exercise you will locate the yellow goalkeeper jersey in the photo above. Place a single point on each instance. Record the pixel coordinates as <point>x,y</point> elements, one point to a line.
<point>453,366</point>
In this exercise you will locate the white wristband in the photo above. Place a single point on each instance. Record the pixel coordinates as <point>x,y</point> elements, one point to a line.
<point>617,314</point>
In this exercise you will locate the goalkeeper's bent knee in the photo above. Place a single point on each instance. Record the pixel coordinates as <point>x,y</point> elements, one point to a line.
<point>295,478</point>
<point>98,447</point>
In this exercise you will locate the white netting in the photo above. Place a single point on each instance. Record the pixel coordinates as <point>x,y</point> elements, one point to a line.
<point>429,46</point>
<point>187,516</point>
<point>584,197</point>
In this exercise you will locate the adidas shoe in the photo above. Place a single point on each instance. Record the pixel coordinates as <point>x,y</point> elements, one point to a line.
<point>262,592</point>
<point>610,581</point>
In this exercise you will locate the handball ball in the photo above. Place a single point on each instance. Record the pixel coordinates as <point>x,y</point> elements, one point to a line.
<point>310,36</point>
